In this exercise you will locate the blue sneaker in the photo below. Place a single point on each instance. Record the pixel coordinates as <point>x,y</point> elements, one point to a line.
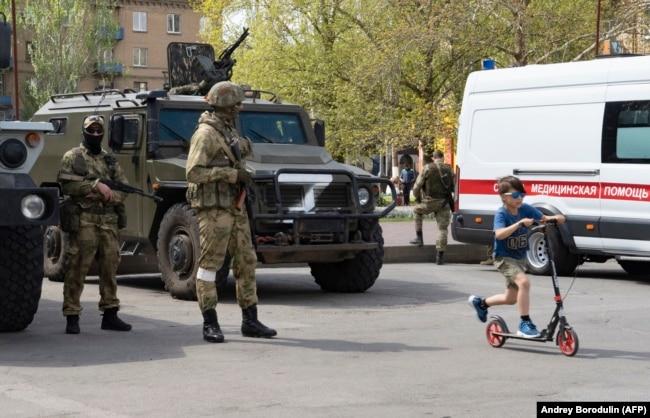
<point>481,313</point>
<point>528,330</point>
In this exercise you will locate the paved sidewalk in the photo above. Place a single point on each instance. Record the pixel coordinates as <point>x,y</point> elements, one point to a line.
<point>397,235</point>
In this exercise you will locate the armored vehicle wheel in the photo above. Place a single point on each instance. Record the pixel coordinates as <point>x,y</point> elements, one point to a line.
<point>357,274</point>
<point>178,251</point>
<point>21,275</point>
<point>56,257</point>
<point>538,261</point>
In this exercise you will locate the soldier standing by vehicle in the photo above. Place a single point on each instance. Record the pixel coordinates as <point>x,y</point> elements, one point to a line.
<point>91,214</point>
<point>432,192</point>
<point>216,178</point>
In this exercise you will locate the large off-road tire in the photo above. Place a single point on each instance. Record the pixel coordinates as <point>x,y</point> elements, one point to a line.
<point>636,268</point>
<point>21,275</point>
<point>56,257</point>
<point>179,250</point>
<point>357,274</point>
<point>538,261</point>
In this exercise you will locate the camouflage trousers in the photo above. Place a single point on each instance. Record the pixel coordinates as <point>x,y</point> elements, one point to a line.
<point>441,212</point>
<point>224,231</point>
<point>96,239</point>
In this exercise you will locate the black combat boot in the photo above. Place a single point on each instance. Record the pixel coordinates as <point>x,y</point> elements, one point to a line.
<point>211,331</point>
<point>72,324</point>
<point>418,239</point>
<point>251,327</point>
<point>111,321</point>
<point>440,258</point>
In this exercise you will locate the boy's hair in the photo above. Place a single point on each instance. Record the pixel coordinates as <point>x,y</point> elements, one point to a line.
<point>437,154</point>
<point>510,182</point>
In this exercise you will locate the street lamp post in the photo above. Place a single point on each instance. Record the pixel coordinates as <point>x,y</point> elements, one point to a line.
<point>16,88</point>
<point>597,28</point>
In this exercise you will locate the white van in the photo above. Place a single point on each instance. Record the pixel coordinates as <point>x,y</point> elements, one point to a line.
<point>578,135</point>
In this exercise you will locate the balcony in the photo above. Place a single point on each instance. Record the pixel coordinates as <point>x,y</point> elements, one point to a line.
<point>109,68</point>
<point>119,33</point>
<point>5,102</point>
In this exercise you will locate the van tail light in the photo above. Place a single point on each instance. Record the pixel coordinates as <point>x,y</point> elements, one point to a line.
<point>456,191</point>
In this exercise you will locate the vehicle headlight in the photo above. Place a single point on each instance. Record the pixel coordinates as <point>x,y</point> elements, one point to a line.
<point>13,153</point>
<point>364,196</point>
<point>32,206</point>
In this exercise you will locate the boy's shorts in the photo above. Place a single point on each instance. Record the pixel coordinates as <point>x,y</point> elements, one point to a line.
<point>510,268</point>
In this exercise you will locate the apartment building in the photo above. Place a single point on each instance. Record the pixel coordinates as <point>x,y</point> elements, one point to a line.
<point>138,59</point>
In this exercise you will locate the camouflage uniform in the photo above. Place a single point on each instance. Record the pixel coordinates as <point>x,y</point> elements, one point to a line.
<point>212,191</point>
<point>430,190</point>
<point>97,237</point>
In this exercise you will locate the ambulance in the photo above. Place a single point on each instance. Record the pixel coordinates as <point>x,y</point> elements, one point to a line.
<point>578,136</point>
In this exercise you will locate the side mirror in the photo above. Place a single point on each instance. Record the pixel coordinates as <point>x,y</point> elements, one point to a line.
<point>319,131</point>
<point>116,140</point>
<point>5,43</point>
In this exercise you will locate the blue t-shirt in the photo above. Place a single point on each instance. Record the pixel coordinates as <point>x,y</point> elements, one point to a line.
<point>516,245</point>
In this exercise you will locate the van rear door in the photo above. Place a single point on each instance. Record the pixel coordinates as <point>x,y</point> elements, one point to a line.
<point>625,173</point>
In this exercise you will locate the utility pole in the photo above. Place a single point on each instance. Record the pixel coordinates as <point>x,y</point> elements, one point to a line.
<point>597,29</point>
<point>15,48</point>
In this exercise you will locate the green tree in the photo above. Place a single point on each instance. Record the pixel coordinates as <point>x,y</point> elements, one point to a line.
<point>62,32</point>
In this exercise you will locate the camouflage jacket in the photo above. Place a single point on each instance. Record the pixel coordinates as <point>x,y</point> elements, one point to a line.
<point>211,168</point>
<point>429,184</point>
<point>81,171</point>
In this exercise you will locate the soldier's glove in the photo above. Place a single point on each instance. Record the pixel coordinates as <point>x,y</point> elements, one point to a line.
<point>244,177</point>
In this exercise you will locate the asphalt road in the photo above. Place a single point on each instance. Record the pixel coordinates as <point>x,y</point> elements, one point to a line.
<point>410,346</point>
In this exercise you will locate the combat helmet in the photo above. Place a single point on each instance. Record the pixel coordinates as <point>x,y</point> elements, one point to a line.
<point>225,94</point>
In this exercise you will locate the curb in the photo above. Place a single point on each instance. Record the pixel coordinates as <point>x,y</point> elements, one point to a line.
<point>455,253</point>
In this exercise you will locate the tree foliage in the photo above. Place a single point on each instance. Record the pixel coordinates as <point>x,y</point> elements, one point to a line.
<point>62,33</point>
<point>393,71</point>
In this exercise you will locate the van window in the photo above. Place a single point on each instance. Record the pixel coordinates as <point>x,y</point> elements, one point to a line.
<point>131,130</point>
<point>178,124</point>
<point>626,132</point>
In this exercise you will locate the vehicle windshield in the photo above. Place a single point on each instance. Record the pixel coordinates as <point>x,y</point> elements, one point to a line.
<point>273,128</point>
<point>276,128</point>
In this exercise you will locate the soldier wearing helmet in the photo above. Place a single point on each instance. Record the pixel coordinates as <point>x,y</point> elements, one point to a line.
<point>216,177</point>
<point>91,217</point>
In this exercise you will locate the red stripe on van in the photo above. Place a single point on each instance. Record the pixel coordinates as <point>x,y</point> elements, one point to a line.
<point>587,190</point>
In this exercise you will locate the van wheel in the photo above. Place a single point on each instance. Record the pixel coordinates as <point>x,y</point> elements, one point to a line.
<point>56,257</point>
<point>357,274</point>
<point>537,259</point>
<point>178,251</point>
<point>21,275</point>
<point>636,268</point>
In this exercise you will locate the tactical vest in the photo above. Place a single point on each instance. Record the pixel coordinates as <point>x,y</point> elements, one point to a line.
<point>433,185</point>
<point>220,194</point>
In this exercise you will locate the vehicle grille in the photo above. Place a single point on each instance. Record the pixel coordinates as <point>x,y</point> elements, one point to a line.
<point>325,196</point>
<point>332,196</point>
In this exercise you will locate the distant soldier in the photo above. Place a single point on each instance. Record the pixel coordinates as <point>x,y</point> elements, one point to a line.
<point>432,192</point>
<point>91,214</point>
<point>216,176</point>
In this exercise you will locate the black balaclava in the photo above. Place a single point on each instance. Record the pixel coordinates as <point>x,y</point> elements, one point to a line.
<point>93,132</point>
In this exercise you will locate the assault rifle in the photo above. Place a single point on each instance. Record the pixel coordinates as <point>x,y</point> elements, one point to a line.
<point>121,187</point>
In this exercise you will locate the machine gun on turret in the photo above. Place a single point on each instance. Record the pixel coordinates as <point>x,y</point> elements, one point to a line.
<point>192,69</point>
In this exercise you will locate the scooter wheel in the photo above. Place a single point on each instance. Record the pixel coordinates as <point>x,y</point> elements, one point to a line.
<point>567,340</point>
<point>496,325</point>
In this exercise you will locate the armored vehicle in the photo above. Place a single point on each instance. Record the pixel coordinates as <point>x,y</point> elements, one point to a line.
<point>24,211</point>
<point>304,206</point>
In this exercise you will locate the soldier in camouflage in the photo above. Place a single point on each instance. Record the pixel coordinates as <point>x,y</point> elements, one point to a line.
<point>432,192</point>
<point>91,221</point>
<point>216,178</point>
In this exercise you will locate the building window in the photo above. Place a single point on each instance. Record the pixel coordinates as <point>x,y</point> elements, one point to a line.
<point>173,23</point>
<point>107,55</point>
<point>140,57</point>
<point>28,52</point>
<point>139,21</point>
<point>204,24</point>
<point>140,86</point>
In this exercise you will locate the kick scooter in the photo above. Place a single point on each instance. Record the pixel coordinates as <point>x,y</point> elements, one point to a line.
<point>566,338</point>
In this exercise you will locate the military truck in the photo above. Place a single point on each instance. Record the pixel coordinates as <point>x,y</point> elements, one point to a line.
<point>304,206</point>
<point>24,211</point>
